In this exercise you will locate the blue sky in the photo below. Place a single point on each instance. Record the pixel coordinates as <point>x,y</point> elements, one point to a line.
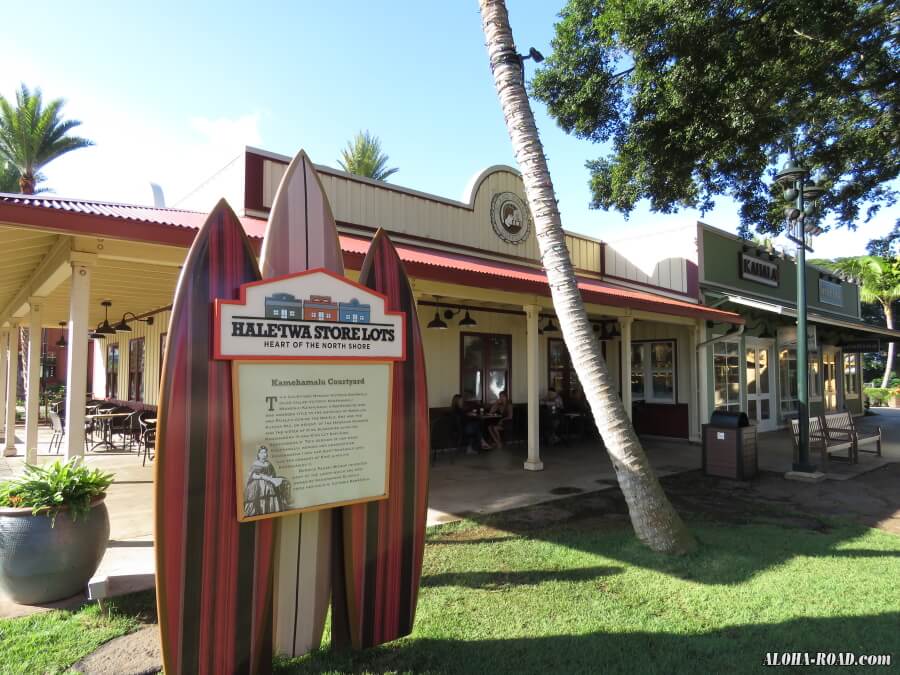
<point>172,91</point>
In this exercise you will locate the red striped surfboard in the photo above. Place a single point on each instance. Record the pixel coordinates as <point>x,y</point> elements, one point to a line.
<point>214,574</point>
<point>301,235</point>
<point>378,552</point>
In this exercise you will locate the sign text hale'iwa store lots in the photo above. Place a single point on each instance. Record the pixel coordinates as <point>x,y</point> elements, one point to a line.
<point>312,356</point>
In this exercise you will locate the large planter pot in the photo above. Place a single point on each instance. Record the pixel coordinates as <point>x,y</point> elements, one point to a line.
<point>39,563</point>
<point>894,401</point>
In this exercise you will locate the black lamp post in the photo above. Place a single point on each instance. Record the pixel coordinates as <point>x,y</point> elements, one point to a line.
<point>801,193</point>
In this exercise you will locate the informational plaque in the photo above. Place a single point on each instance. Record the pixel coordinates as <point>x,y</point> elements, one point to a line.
<point>311,435</point>
<point>312,361</point>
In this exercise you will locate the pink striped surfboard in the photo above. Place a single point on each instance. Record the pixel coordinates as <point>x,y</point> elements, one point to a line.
<point>301,235</point>
<point>379,545</point>
<point>213,574</point>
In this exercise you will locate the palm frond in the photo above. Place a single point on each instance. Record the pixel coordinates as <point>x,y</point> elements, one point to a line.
<point>33,134</point>
<point>363,157</point>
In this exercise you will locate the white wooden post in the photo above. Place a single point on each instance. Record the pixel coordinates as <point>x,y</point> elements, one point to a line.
<point>532,360</point>
<point>12,376</point>
<point>4,362</point>
<point>33,393</point>
<point>625,346</point>
<point>694,398</point>
<point>76,376</point>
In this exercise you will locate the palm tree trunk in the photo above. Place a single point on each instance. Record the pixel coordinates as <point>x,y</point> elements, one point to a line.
<point>26,183</point>
<point>654,520</point>
<point>889,364</point>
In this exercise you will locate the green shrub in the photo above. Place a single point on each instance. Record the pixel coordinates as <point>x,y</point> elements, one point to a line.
<point>878,395</point>
<point>54,487</point>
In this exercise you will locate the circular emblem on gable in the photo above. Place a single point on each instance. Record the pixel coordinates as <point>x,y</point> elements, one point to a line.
<point>509,217</point>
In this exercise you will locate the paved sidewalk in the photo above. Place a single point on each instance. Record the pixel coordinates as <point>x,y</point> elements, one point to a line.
<point>460,485</point>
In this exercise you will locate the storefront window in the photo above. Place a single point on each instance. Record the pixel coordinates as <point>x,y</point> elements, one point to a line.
<point>162,353</point>
<point>484,366</point>
<point>637,372</point>
<point>561,375</point>
<point>653,371</point>
<point>851,381</point>
<point>787,371</point>
<point>787,367</point>
<point>815,389</point>
<point>112,371</point>
<point>727,375</point>
<point>136,369</point>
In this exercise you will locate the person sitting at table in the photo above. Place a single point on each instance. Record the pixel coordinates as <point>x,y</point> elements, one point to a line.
<point>554,405</point>
<point>553,399</point>
<point>503,407</point>
<point>467,425</point>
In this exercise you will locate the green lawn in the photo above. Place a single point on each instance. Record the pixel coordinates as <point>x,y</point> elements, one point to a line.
<point>589,598</point>
<point>507,595</point>
<point>50,642</point>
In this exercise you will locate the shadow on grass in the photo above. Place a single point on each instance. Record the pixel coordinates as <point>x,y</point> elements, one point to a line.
<point>501,579</point>
<point>735,649</point>
<point>726,555</point>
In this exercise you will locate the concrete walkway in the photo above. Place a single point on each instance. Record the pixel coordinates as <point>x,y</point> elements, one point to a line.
<point>460,485</point>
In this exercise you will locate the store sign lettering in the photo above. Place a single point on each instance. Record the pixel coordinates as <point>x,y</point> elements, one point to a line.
<point>758,270</point>
<point>311,315</point>
<point>831,293</point>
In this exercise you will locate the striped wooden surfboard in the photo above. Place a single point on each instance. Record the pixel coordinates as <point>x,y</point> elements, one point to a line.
<point>301,235</point>
<point>214,574</point>
<point>378,551</point>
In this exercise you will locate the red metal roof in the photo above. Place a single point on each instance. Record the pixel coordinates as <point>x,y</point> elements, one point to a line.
<point>469,270</point>
<point>177,227</point>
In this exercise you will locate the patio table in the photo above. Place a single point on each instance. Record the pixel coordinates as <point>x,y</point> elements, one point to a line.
<point>105,420</point>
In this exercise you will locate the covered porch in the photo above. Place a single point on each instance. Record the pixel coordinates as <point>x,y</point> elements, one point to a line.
<point>90,266</point>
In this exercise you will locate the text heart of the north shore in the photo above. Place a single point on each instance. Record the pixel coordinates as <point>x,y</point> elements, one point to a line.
<point>311,315</point>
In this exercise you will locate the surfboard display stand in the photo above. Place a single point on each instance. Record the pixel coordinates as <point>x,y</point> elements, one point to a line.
<point>235,576</point>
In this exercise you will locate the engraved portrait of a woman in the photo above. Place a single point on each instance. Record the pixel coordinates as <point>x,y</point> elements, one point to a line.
<point>265,492</point>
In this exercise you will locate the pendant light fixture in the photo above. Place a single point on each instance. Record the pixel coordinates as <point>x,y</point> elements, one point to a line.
<point>62,338</point>
<point>104,328</point>
<point>467,320</point>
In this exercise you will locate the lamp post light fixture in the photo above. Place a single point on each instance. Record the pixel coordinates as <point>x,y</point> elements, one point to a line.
<point>801,193</point>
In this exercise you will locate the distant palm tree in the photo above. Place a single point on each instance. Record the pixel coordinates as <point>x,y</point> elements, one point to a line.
<point>363,157</point>
<point>9,177</point>
<point>32,135</point>
<point>879,282</point>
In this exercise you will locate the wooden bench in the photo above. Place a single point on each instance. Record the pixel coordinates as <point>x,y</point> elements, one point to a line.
<point>819,440</point>
<point>841,424</point>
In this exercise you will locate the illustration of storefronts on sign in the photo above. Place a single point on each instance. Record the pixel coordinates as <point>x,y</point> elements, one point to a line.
<point>311,371</point>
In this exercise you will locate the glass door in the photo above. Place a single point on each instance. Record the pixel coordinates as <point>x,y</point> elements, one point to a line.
<point>830,392</point>
<point>760,384</point>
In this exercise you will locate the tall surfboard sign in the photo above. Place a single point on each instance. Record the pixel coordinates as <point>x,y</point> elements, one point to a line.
<point>301,234</point>
<point>214,573</point>
<point>380,544</point>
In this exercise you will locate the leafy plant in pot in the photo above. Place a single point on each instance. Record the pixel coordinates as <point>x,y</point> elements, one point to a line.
<point>54,528</point>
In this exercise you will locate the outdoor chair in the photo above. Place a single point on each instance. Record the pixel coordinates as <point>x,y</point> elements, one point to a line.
<point>58,426</point>
<point>148,441</point>
<point>841,424</point>
<point>58,433</point>
<point>818,441</point>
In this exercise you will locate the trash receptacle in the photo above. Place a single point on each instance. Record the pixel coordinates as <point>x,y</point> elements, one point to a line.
<point>729,446</point>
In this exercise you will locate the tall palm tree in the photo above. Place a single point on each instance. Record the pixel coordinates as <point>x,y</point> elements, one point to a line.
<point>654,520</point>
<point>879,282</point>
<point>363,157</point>
<point>33,135</point>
